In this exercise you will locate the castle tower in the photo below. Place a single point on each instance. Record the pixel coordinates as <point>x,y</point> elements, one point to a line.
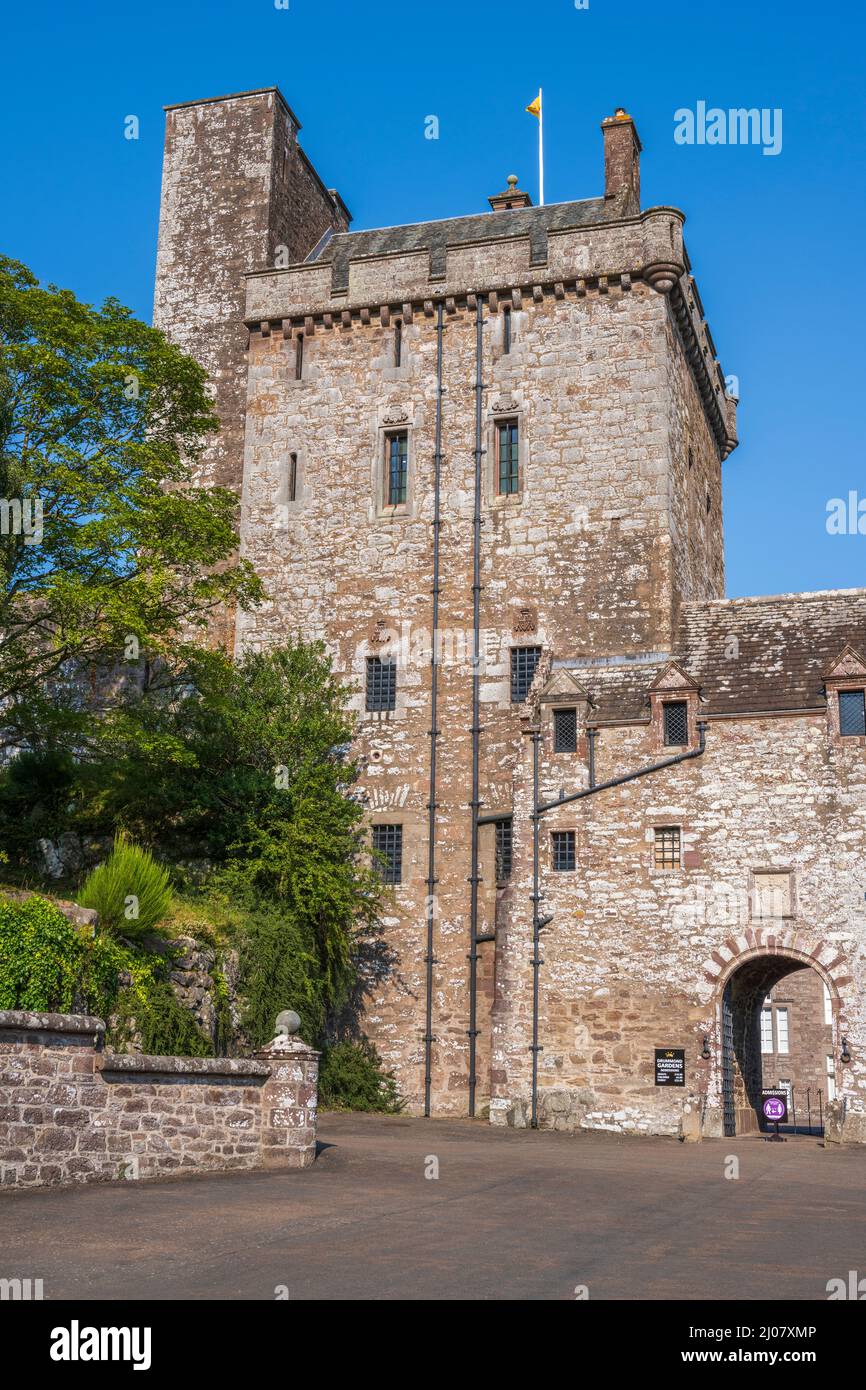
<point>238,194</point>
<point>482,461</point>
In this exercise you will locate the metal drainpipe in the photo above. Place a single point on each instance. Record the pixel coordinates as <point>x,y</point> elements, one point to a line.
<point>538,810</point>
<point>591,735</point>
<point>476,706</point>
<point>429,958</point>
<point>536,921</point>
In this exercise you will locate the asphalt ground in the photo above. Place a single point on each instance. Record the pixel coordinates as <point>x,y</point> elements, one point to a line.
<point>512,1215</point>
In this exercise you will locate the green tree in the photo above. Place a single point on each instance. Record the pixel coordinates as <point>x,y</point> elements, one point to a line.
<point>103,536</point>
<point>244,764</point>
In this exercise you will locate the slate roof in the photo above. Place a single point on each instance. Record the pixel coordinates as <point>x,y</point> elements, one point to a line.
<point>534,223</point>
<point>785,644</point>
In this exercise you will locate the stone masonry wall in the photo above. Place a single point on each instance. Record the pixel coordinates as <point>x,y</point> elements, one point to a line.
<point>73,1113</point>
<point>590,557</point>
<point>810,1043</point>
<point>236,191</point>
<point>637,957</point>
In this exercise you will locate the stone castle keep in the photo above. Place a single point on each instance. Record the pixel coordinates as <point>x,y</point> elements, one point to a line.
<point>617,808</point>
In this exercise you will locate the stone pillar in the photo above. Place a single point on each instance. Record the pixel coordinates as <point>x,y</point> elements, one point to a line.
<point>289,1103</point>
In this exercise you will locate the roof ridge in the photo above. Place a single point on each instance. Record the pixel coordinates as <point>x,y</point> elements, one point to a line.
<point>487,214</point>
<point>755,599</point>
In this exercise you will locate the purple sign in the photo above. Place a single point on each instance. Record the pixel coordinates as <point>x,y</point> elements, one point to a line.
<point>774,1105</point>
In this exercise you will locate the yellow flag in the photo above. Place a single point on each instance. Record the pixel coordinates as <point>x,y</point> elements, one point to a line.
<point>534,107</point>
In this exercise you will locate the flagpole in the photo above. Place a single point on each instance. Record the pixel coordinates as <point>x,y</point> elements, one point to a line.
<point>540,149</point>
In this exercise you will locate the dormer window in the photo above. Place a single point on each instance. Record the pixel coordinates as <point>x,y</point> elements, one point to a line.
<point>674,699</point>
<point>852,713</point>
<point>845,686</point>
<point>676,723</point>
<point>565,731</point>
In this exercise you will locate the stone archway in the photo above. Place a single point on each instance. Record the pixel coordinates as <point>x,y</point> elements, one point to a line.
<point>744,972</point>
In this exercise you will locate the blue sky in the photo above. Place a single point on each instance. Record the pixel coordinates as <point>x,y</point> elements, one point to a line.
<point>775,241</point>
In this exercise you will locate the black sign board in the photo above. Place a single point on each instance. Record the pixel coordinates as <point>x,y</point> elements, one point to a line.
<point>670,1066</point>
<point>774,1106</point>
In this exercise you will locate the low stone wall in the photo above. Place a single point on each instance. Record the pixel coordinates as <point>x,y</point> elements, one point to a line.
<point>70,1112</point>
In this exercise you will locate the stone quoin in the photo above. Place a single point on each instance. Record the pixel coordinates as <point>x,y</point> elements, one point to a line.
<point>508,429</point>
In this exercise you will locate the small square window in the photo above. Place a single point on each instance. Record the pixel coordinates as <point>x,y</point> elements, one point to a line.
<point>503,849</point>
<point>676,719</point>
<point>564,851</point>
<point>852,713</point>
<point>388,841</point>
<point>523,663</point>
<point>508,455</point>
<point>565,731</point>
<point>668,847</point>
<point>397,468</point>
<point>381,684</point>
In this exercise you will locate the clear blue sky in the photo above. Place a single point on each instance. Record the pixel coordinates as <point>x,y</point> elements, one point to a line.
<point>776,242</point>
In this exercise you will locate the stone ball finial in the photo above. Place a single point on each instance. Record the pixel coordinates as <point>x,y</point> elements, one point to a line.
<point>511,180</point>
<point>288,1023</point>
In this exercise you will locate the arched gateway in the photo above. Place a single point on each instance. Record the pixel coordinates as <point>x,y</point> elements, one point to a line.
<point>753,970</point>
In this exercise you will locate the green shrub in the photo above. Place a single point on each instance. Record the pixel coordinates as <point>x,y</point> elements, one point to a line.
<point>279,969</point>
<point>351,1077</point>
<point>48,965</point>
<point>36,791</point>
<point>150,1008</point>
<point>130,891</point>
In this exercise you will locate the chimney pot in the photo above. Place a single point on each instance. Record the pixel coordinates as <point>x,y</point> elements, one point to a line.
<point>513,197</point>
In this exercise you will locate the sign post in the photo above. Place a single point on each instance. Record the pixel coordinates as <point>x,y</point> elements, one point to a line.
<point>774,1107</point>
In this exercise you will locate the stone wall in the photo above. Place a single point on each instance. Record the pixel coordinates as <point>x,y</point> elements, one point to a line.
<point>238,194</point>
<point>804,1065</point>
<point>592,556</point>
<point>638,957</point>
<point>237,191</point>
<point>73,1113</point>
<point>614,535</point>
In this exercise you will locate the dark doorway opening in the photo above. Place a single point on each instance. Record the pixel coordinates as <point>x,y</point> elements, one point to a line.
<point>777,1032</point>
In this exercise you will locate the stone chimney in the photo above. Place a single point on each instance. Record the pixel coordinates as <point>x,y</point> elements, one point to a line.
<point>622,149</point>
<point>513,197</point>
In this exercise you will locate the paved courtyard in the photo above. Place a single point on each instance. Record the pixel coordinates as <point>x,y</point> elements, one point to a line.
<point>512,1215</point>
